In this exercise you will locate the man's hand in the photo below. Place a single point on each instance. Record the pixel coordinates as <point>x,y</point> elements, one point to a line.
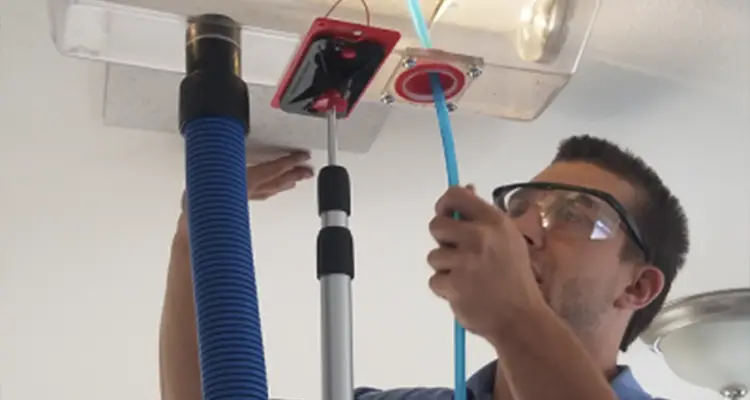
<point>269,179</point>
<point>482,269</point>
<point>482,265</point>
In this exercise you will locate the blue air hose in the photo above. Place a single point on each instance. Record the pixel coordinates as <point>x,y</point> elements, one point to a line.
<point>230,339</point>
<point>451,166</point>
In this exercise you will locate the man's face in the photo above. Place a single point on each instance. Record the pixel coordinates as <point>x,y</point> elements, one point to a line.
<point>581,278</point>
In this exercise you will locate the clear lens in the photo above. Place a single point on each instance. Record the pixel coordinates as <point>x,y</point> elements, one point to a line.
<point>564,211</point>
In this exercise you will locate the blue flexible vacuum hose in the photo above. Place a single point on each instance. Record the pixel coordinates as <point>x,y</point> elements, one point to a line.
<point>229,331</point>
<point>451,169</point>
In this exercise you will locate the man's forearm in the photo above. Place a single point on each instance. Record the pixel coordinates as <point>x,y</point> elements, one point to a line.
<point>540,358</point>
<point>178,340</point>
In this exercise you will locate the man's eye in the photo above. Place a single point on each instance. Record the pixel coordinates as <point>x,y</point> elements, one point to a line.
<point>518,208</point>
<point>569,215</point>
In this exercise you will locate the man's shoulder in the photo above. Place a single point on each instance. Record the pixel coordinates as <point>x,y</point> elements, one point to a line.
<point>480,388</point>
<point>626,386</point>
<point>447,394</point>
<point>404,394</point>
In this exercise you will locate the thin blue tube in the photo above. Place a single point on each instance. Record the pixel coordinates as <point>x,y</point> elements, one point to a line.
<point>229,332</point>
<point>451,167</point>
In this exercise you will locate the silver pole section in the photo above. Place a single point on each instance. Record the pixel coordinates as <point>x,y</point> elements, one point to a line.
<point>335,272</point>
<point>332,137</point>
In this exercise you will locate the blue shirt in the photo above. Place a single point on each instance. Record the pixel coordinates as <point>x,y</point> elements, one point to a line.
<point>480,387</point>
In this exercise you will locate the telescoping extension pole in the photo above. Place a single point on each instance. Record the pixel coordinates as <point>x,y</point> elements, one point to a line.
<point>335,272</point>
<point>214,119</point>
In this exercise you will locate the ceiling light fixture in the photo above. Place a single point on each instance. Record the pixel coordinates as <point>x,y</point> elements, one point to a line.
<point>440,9</point>
<point>541,34</point>
<point>705,340</point>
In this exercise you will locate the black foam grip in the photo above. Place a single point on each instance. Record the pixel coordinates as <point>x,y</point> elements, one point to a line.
<point>204,95</point>
<point>334,190</point>
<point>335,251</point>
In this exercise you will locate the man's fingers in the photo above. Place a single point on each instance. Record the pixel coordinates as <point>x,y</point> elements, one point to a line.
<point>286,181</point>
<point>465,202</point>
<point>261,173</point>
<point>451,232</point>
<point>295,174</point>
<point>269,178</point>
<point>442,285</point>
<point>445,259</point>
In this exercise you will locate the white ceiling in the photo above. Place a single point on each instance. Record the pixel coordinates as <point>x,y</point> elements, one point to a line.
<point>87,212</point>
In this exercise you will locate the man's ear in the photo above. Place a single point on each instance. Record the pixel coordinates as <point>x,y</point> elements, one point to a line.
<point>646,284</point>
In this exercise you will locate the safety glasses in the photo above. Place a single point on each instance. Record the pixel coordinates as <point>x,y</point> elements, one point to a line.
<point>570,210</point>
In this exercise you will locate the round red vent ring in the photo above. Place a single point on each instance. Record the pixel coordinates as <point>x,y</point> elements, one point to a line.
<point>414,84</point>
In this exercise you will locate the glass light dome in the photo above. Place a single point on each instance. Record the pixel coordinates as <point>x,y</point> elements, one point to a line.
<point>705,340</point>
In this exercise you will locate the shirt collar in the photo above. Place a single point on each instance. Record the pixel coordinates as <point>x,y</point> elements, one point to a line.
<point>625,382</point>
<point>482,382</point>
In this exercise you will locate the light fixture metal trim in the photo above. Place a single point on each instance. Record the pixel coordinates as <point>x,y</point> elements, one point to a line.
<point>722,305</point>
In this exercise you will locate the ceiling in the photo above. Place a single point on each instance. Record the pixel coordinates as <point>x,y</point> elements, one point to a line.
<point>87,212</point>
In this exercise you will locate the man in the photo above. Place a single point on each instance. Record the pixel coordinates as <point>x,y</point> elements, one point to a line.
<point>557,275</point>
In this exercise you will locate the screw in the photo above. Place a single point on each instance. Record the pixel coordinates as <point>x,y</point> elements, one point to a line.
<point>452,107</point>
<point>387,98</point>
<point>410,63</point>
<point>734,392</point>
<point>474,72</point>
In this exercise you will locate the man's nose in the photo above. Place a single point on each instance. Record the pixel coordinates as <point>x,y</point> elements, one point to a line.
<point>530,226</point>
